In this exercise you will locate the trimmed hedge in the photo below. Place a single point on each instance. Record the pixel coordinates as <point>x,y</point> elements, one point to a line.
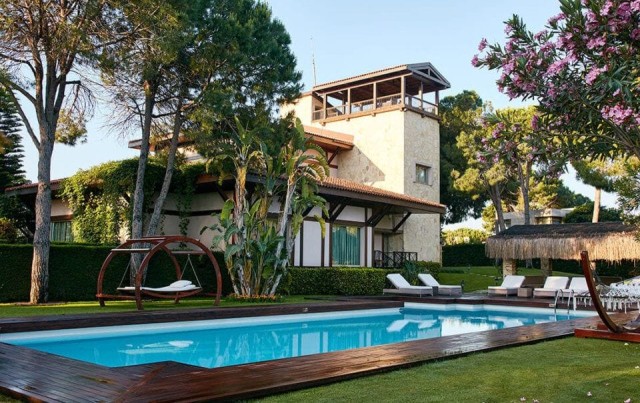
<point>73,272</point>
<point>337,280</point>
<point>465,255</point>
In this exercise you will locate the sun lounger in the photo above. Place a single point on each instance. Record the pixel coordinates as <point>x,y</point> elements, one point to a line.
<point>509,286</point>
<point>403,286</point>
<point>551,287</point>
<point>428,280</point>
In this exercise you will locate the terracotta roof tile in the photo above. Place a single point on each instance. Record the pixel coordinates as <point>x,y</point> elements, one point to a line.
<point>344,184</point>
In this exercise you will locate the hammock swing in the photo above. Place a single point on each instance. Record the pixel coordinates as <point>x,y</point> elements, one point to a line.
<point>600,294</point>
<point>150,246</point>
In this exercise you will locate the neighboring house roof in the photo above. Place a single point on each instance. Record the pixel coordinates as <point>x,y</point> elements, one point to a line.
<point>612,241</point>
<point>30,188</point>
<point>425,70</point>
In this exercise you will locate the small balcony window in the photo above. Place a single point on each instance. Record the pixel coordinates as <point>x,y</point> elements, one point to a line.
<point>61,231</point>
<point>423,174</point>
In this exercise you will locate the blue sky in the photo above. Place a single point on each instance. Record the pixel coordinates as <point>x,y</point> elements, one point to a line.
<point>350,37</point>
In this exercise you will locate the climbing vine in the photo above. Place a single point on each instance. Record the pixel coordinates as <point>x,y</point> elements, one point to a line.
<point>100,197</point>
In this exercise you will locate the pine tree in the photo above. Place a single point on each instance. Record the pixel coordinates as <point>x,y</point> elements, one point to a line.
<point>11,151</point>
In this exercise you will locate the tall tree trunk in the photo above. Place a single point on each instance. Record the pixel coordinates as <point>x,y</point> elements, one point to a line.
<point>496,199</point>
<point>596,205</point>
<point>523,175</point>
<point>168,174</point>
<point>41,238</point>
<point>137,220</point>
<point>283,229</point>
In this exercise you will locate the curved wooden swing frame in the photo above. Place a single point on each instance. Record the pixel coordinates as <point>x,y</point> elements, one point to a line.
<point>156,244</point>
<point>602,312</point>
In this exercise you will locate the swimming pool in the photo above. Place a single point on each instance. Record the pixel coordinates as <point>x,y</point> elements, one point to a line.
<point>225,342</point>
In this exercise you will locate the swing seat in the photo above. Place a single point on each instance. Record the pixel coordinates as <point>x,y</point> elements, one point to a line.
<point>175,287</point>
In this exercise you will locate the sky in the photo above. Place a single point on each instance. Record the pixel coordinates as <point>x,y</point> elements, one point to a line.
<point>351,37</point>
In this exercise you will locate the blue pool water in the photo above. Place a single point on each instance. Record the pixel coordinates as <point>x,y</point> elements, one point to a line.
<point>218,343</point>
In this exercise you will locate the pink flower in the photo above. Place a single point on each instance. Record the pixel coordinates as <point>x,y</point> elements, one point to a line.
<point>482,45</point>
<point>593,74</point>
<point>596,42</point>
<point>508,29</point>
<point>553,20</point>
<point>606,8</point>
<point>474,61</point>
<point>534,122</point>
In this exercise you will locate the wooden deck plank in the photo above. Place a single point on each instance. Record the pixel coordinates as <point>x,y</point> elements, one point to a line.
<point>39,376</point>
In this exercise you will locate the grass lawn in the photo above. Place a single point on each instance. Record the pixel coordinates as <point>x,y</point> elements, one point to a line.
<point>480,277</point>
<point>70,308</point>
<point>563,370</point>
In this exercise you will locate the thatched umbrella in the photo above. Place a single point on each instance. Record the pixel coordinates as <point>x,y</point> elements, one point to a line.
<point>611,241</point>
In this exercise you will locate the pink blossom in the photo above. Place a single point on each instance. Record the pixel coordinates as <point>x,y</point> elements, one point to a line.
<point>635,6</point>
<point>606,8</point>
<point>556,18</point>
<point>635,34</point>
<point>556,67</point>
<point>534,122</point>
<point>508,29</point>
<point>474,61</point>
<point>596,42</point>
<point>593,74</point>
<point>482,45</point>
<point>617,114</point>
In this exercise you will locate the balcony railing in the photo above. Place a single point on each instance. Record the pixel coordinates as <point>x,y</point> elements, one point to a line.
<point>368,105</point>
<point>393,259</point>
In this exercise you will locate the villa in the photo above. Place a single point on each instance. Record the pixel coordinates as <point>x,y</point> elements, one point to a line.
<point>380,131</point>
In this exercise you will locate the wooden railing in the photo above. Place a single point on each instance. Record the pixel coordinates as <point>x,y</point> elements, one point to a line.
<point>393,259</point>
<point>368,105</point>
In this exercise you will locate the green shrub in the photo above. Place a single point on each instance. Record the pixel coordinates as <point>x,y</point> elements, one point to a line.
<point>337,280</point>
<point>73,272</point>
<point>432,268</point>
<point>8,231</point>
<point>465,255</point>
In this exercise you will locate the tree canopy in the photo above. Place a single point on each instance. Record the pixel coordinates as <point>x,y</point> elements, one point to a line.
<point>458,113</point>
<point>582,69</point>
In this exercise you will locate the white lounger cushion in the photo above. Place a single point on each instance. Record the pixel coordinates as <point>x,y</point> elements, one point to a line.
<point>403,286</point>
<point>428,280</point>
<point>509,286</point>
<point>578,285</point>
<point>551,286</point>
<point>176,286</point>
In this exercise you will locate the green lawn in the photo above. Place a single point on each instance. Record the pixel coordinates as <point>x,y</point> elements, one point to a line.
<point>13,310</point>
<point>480,277</point>
<point>563,370</point>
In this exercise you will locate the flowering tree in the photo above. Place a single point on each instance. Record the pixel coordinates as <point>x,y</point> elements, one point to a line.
<point>516,141</point>
<point>484,174</point>
<point>583,69</point>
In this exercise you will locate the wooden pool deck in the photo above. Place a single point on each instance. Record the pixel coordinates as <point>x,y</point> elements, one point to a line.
<point>36,376</point>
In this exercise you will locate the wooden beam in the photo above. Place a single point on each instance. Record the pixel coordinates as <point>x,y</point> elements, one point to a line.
<point>402,89</point>
<point>397,227</point>
<point>218,190</point>
<point>335,154</point>
<point>335,212</point>
<point>377,217</point>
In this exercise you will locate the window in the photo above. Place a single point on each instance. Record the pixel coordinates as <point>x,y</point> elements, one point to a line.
<point>61,231</point>
<point>423,174</point>
<point>345,247</point>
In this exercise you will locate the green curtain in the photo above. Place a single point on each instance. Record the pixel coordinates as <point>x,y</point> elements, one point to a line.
<point>345,245</point>
<point>61,231</point>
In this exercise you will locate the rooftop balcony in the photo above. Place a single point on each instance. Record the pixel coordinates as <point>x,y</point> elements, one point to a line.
<point>413,87</point>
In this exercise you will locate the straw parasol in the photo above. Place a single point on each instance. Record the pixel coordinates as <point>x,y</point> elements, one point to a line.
<point>611,241</point>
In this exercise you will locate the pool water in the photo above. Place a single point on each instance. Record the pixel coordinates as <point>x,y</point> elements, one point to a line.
<point>219,343</point>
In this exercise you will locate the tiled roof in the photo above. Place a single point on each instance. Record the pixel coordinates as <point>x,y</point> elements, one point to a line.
<point>344,184</point>
<point>336,137</point>
<point>54,184</point>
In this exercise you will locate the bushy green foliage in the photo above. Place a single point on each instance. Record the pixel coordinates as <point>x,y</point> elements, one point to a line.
<point>465,255</point>
<point>8,231</point>
<point>432,268</point>
<point>99,196</point>
<point>74,272</point>
<point>337,281</point>
<point>584,213</point>
<point>464,235</point>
